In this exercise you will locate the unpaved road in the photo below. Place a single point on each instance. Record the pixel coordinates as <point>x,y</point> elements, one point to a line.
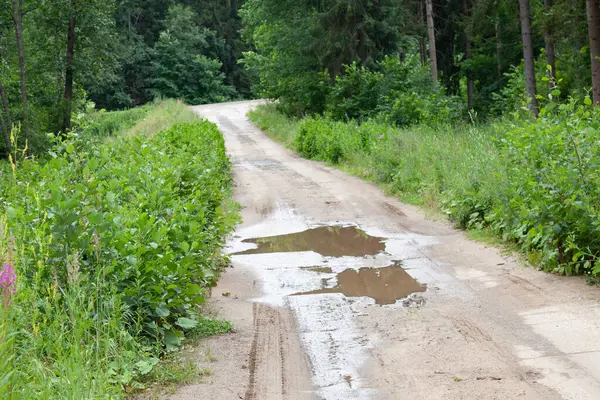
<point>485,328</point>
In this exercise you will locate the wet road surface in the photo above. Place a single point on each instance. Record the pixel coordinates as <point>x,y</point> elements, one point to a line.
<point>337,291</point>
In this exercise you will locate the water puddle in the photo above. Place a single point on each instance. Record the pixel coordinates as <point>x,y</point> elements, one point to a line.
<point>384,285</point>
<point>329,241</point>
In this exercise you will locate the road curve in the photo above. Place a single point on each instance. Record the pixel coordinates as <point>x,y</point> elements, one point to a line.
<point>485,328</point>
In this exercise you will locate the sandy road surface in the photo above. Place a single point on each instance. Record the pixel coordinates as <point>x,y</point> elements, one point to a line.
<point>485,328</point>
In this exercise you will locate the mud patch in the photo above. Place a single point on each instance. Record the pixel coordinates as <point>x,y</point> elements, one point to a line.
<point>329,241</point>
<point>319,270</point>
<point>384,285</point>
<point>348,380</point>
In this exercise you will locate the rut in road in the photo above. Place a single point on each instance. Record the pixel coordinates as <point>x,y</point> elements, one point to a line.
<point>485,327</point>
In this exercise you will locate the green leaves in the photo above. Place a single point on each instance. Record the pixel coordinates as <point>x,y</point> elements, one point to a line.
<point>142,220</point>
<point>550,206</point>
<point>172,339</point>
<point>186,323</point>
<point>162,311</point>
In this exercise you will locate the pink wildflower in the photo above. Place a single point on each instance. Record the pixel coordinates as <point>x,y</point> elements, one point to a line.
<point>8,280</point>
<point>380,137</point>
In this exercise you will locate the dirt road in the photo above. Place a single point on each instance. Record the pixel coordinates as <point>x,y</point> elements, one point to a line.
<point>316,315</point>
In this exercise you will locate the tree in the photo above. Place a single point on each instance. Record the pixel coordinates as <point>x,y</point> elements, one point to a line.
<point>17,15</point>
<point>470,82</point>
<point>422,41</point>
<point>593,18</point>
<point>303,45</point>
<point>69,72</point>
<point>182,65</point>
<point>549,41</point>
<point>431,36</point>
<point>498,51</point>
<point>5,120</point>
<point>529,60</point>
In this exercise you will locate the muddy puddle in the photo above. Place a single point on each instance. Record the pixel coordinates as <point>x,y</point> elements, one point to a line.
<point>329,241</point>
<point>384,285</point>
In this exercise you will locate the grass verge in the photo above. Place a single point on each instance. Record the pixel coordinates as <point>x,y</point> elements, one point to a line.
<point>107,249</point>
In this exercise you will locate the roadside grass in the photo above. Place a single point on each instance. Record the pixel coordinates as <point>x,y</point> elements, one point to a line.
<point>417,164</point>
<point>279,127</point>
<point>164,114</point>
<point>177,369</point>
<point>107,246</point>
<point>171,372</point>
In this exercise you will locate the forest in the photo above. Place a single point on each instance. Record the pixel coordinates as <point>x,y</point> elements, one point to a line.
<point>60,58</point>
<point>115,198</point>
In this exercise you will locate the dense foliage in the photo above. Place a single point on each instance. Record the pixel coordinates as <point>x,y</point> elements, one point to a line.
<point>57,55</point>
<point>301,45</point>
<point>316,57</point>
<point>114,242</point>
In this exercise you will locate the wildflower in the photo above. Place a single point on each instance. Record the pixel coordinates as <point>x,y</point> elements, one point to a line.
<point>8,284</point>
<point>8,279</point>
<point>73,269</point>
<point>380,137</point>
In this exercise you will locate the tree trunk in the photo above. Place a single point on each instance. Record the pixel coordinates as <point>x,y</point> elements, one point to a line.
<point>498,53</point>
<point>524,9</point>
<point>422,41</point>
<point>593,17</point>
<point>550,52</point>
<point>17,15</point>
<point>470,83</point>
<point>6,122</point>
<point>68,97</point>
<point>431,35</point>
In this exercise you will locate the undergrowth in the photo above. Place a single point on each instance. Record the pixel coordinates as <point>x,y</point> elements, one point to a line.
<point>531,184</point>
<point>107,246</point>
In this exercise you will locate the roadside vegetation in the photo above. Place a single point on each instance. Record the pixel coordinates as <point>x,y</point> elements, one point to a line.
<point>108,245</point>
<point>490,129</point>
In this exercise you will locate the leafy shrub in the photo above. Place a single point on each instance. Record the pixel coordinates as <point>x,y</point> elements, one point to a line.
<point>552,187</point>
<point>185,63</point>
<point>334,141</point>
<point>409,108</point>
<point>114,244</point>
<point>356,94</point>
<point>399,92</point>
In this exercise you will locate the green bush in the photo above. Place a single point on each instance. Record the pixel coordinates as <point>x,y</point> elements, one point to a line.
<point>356,94</point>
<point>185,64</point>
<point>335,141</point>
<point>114,243</point>
<point>552,187</point>
<point>399,92</point>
